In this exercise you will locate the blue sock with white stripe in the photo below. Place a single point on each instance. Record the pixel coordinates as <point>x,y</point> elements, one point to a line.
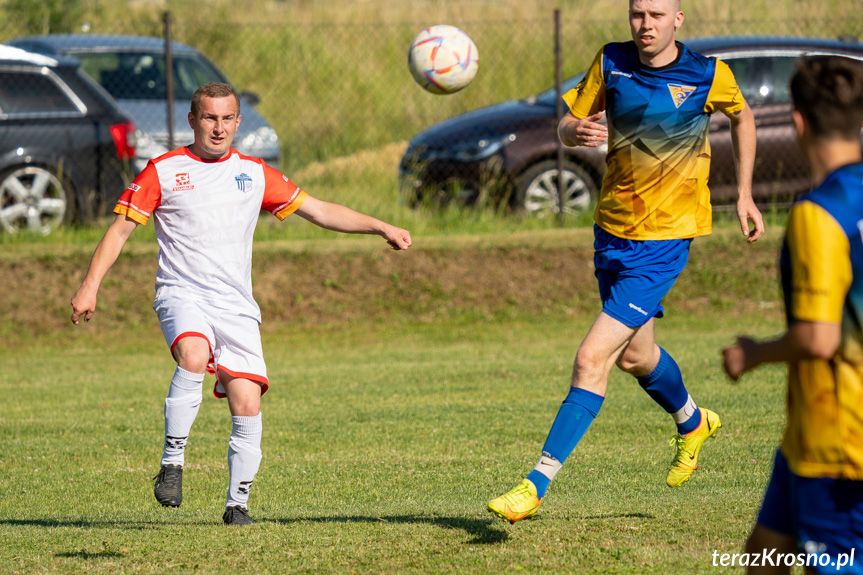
<point>665,386</point>
<point>575,415</point>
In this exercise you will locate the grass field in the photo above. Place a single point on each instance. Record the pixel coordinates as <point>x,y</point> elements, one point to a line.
<point>394,415</point>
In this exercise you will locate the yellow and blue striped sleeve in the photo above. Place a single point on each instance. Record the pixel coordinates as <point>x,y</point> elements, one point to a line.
<point>588,97</point>
<point>820,264</point>
<point>725,95</point>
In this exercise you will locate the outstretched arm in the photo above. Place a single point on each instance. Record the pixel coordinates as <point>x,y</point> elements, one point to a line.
<point>84,300</point>
<point>339,218</point>
<point>743,140</point>
<point>804,340</point>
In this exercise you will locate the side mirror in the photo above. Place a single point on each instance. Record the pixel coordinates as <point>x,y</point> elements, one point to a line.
<point>251,98</point>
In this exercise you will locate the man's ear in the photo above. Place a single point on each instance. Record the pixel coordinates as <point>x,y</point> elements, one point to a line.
<point>801,126</point>
<point>678,20</point>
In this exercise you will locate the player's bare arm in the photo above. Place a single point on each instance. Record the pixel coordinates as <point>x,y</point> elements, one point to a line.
<point>338,218</point>
<point>84,300</point>
<point>804,340</point>
<point>587,132</point>
<point>743,140</point>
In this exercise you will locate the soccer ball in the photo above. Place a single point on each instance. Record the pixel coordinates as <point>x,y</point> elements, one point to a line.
<point>443,59</point>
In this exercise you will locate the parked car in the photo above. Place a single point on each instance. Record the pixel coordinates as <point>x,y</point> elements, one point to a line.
<point>132,70</point>
<point>65,145</point>
<point>508,151</point>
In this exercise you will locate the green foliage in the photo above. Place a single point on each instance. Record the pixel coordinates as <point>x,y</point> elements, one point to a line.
<point>332,76</point>
<point>46,16</point>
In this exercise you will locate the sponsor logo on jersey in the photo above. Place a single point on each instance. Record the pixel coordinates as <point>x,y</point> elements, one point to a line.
<point>679,93</point>
<point>134,187</point>
<point>244,182</point>
<point>618,73</point>
<point>184,182</point>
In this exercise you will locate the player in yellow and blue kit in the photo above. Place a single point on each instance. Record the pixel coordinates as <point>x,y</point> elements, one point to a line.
<point>813,507</point>
<point>658,97</point>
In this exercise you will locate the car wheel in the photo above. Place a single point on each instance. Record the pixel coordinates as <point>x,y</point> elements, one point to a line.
<point>33,199</point>
<point>537,189</point>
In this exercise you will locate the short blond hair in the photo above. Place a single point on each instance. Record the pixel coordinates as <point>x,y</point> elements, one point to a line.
<point>213,90</point>
<point>674,3</point>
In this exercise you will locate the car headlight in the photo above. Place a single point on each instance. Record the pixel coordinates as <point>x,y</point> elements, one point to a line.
<point>148,147</point>
<point>480,149</point>
<point>263,142</point>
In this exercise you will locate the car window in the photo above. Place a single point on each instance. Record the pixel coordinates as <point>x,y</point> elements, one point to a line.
<point>141,75</point>
<point>748,74</point>
<point>24,92</point>
<point>190,73</point>
<point>783,69</point>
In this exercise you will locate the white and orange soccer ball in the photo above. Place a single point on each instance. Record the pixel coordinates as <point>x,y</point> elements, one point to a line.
<point>443,59</point>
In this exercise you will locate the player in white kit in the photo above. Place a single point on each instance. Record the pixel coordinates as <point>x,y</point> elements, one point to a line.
<point>205,200</point>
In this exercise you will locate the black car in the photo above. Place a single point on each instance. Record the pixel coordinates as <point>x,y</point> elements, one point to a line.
<point>65,146</point>
<point>507,152</point>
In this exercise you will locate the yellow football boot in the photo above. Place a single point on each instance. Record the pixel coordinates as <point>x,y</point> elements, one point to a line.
<point>688,447</point>
<point>519,503</point>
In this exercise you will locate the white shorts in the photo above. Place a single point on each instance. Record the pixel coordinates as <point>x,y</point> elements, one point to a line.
<point>235,340</point>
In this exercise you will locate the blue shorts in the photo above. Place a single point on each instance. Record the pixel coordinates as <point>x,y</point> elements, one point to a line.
<point>824,515</point>
<point>635,275</point>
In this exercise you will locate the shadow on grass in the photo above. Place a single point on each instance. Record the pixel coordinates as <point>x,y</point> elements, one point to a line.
<point>85,523</point>
<point>90,555</point>
<point>480,529</point>
<point>634,515</point>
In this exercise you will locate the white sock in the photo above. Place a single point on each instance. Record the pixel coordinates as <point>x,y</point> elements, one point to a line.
<point>548,466</point>
<point>683,414</point>
<point>244,458</point>
<point>181,409</point>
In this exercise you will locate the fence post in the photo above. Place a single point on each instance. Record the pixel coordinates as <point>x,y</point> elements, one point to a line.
<point>169,79</point>
<point>558,109</point>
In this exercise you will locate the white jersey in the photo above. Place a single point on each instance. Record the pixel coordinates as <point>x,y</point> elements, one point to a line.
<point>205,215</point>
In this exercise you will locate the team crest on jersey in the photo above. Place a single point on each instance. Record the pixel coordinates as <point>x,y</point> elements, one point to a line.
<point>183,182</point>
<point>679,93</point>
<point>244,182</point>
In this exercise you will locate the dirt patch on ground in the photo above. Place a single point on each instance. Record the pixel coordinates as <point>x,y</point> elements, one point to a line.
<point>419,285</point>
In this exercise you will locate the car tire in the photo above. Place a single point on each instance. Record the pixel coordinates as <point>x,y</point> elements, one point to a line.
<point>34,199</point>
<point>536,191</point>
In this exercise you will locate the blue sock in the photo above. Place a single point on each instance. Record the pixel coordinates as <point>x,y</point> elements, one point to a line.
<point>665,386</point>
<point>577,412</point>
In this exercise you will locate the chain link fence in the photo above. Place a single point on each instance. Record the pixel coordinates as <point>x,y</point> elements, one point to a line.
<point>315,92</point>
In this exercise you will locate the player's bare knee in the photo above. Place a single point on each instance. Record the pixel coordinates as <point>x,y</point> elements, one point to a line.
<point>192,358</point>
<point>633,365</point>
<point>590,365</point>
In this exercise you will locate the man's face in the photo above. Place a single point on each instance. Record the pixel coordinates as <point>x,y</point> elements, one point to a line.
<point>653,23</point>
<point>215,127</point>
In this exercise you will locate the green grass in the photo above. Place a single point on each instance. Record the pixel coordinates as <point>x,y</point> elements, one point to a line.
<point>382,446</point>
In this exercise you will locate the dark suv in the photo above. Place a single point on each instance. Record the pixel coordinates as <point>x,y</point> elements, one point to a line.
<point>508,151</point>
<point>65,146</point>
<point>133,70</point>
